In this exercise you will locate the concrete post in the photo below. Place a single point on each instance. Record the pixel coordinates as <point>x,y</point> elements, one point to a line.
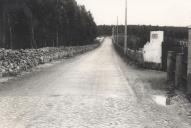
<point>189,62</point>
<point>179,70</point>
<point>171,66</point>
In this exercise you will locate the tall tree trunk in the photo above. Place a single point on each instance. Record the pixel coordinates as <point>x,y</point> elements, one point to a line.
<point>57,39</point>
<point>1,28</point>
<point>33,42</point>
<point>10,31</point>
<point>53,44</point>
<point>32,37</point>
<point>4,24</point>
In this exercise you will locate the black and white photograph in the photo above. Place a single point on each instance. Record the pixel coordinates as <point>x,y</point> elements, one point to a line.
<point>95,64</point>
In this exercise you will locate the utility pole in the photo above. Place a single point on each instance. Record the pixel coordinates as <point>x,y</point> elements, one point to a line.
<point>125,40</point>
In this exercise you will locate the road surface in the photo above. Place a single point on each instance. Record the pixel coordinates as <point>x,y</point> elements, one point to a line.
<point>88,91</point>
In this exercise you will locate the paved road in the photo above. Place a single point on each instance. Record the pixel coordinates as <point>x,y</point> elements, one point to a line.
<point>88,91</point>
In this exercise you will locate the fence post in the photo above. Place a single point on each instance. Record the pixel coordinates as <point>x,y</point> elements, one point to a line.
<point>184,68</point>
<point>189,62</point>
<point>171,66</point>
<point>179,70</point>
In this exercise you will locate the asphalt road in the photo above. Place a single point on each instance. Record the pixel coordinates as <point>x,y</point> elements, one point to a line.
<point>87,91</point>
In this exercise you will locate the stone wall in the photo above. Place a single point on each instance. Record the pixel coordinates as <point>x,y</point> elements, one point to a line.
<point>12,62</point>
<point>138,57</point>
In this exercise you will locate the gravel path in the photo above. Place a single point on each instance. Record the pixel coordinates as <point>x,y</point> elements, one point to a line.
<point>93,90</point>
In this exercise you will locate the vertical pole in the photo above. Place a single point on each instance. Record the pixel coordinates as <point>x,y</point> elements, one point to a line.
<point>171,68</point>
<point>189,62</point>
<point>125,41</point>
<point>179,71</point>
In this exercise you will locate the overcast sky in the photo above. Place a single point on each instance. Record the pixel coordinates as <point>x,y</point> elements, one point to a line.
<point>154,12</point>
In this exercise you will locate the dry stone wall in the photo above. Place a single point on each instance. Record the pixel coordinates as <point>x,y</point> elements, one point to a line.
<point>13,62</point>
<point>138,57</point>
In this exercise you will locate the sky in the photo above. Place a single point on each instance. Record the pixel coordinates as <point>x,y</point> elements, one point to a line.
<point>140,12</point>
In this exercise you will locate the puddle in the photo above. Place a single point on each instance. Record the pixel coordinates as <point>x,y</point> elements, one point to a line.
<point>160,100</point>
<point>56,95</point>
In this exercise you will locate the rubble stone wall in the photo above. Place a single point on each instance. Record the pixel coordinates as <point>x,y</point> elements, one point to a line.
<point>137,56</point>
<point>12,62</point>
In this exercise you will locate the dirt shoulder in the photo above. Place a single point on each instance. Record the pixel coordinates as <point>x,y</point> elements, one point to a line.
<point>149,84</point>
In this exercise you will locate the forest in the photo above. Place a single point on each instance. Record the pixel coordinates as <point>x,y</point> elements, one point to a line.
<point>45,23</point>
<point>140,34</point>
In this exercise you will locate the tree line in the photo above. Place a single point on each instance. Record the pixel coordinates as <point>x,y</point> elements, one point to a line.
<point>45,23</point>
<point>140,34</point>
